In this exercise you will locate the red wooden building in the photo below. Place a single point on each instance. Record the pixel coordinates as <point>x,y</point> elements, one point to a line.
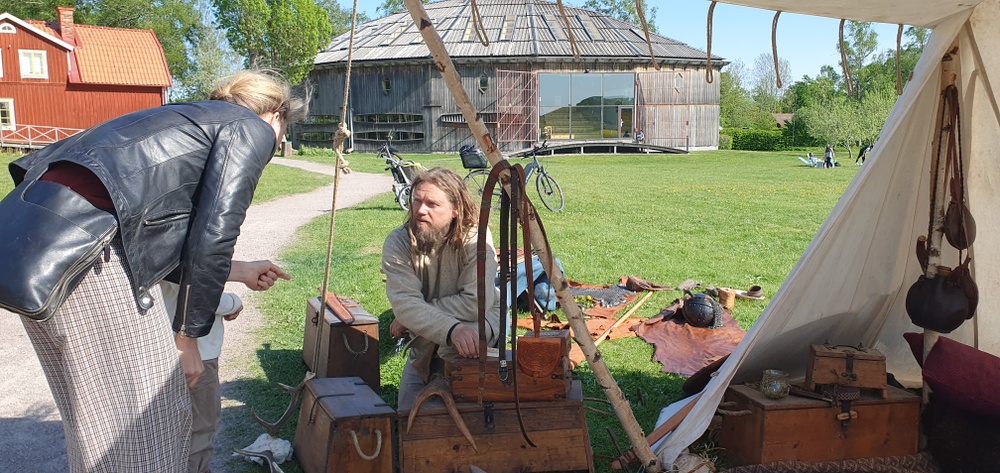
<point>57,78</point>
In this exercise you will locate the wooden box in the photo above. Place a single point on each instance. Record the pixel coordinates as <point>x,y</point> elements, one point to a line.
<point>463,374</point>
<point>558,430</point>
<point>335,412</point>
<point>795,428</point>
<point>846,366</point>
<point>344,350</point>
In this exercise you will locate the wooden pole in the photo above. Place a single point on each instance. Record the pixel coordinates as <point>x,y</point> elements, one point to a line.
<point>939,163</point>
<point>621,319</point>
<point>444,65</point>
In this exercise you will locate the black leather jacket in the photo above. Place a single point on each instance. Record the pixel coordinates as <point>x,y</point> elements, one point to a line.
<point>181,177</point>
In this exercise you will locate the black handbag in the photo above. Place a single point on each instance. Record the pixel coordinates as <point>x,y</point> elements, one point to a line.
<point>49,238</point>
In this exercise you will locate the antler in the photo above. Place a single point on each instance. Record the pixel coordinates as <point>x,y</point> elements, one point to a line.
<point>440,387</point>
<point>273,429</point>
<point>265,455</point>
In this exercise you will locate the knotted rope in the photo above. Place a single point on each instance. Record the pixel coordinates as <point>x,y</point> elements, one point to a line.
<point>774,47</point>
<point>645,29</point>
<point>843,61</point>
<point>710,73</point>
<point>569,31</point>
<point>477,25</point>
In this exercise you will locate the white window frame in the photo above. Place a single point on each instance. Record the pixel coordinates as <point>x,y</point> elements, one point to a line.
<point>13,123</point>
<point>1,64</point>
<point>26,55</point>
<point>8,28</point>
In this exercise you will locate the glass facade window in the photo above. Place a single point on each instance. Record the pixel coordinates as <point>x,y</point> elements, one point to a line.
<point>581,106</point>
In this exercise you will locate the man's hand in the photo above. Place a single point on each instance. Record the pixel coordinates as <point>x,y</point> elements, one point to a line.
<point>257,275</point>
<point>396,329</point>
<point>230,317</point>
<point>465,339</point>
<point>187,349</point>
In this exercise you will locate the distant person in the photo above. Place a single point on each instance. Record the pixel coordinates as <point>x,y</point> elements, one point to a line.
<point>828,157</point>
<point>812,159</point>
<point>862,154</point>
<point>640,137</point>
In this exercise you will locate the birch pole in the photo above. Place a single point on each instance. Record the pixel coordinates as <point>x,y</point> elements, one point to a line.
<point>444,65</point>
<point>939,163</point>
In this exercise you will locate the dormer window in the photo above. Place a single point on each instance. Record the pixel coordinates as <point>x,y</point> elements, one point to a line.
<point>7,28</point>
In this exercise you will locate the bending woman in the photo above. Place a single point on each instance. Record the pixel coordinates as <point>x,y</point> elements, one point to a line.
<point>179,179</point>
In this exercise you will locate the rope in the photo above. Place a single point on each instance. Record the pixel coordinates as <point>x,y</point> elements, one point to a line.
<point>569,31</point>
<point>351,350</point>
<point>477,25</point>
<point>378,447</point>
<point>843,62</point>
<point>899,68</point>
<point>342,134</point>
<point>645,29</point>
<point>710,73</point>
<point>774,47</point>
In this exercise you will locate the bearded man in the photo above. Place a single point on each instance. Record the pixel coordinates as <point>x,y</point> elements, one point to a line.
<point>430,268</point>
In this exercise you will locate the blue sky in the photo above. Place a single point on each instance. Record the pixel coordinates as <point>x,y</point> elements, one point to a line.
<point>742,33</point>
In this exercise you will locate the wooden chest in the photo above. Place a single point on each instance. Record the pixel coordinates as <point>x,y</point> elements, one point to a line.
<point>795,428</point>
<point>344,350</point>
<point>463,374</point>
<point>558,430</point>
<point>846,366</point>
<point>343,426</point>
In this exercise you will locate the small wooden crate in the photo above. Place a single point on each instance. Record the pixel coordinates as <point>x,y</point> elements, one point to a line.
<point>558,429</point>
<point>846,366</point>
<point>463,374</point>
<point>344,350</point>
<point>335,412</point>
<point>795,428</point>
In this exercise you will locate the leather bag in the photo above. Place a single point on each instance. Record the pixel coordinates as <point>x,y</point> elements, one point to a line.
<point>50,237</point>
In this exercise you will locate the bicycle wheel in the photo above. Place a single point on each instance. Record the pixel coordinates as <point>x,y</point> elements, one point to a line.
<point>403,197</point>
<point>475,181</point>
<point>549,191</point>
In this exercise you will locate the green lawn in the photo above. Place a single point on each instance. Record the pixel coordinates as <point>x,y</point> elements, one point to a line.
<point>724,218</point>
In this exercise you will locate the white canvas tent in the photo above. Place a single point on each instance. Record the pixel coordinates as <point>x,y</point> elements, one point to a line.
<point>850,284</point>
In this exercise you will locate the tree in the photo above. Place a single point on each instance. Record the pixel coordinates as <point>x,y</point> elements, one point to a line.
<point>860,43</point>
<point>764,89</point>
<point>44,10</point>
<point>389,7</point>
<point>340,18</point>
<point>212,58</point>
<point>284,35</point>
<point>624,10</point>
<point>834,122</point>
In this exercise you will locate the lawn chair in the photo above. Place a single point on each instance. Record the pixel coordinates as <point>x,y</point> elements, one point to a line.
<point>812,162</point>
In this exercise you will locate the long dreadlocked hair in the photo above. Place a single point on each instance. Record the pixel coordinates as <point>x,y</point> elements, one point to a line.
<point>453,186</point>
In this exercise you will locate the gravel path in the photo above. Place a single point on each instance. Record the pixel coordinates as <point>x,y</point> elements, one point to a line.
<point>32,436</point>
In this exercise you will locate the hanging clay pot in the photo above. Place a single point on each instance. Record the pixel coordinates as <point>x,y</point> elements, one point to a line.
<point>959,226</point>
<point>938,304</point>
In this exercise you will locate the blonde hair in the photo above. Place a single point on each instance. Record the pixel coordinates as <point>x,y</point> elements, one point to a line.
<point>263,91</point>
<point>459,196</point>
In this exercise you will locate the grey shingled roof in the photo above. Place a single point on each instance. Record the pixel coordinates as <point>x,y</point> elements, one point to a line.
<point>538,32</point>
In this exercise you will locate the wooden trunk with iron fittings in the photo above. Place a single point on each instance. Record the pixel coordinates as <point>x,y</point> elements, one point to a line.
<point>544,375</point>
<point>846,366</point>
<point>764,430</point>
<point>434,443</point>
<point>343,426</point>
<point>344,349</point>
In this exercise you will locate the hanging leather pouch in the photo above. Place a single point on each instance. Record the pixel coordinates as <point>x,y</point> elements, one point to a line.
<point>49,239</point>
<point>940,304</point>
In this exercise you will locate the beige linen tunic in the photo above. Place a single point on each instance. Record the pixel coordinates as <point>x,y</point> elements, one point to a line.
<point>430,293</point>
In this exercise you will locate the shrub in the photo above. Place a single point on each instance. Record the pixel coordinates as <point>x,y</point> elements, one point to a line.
<point>725,141</point>
<point>756,140</point>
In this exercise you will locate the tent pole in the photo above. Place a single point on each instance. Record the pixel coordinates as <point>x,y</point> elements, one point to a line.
<point>443,63</point>
<point>949,77</point>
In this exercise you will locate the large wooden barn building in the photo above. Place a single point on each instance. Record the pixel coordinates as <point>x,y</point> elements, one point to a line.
<point>57,78</point>
<point>526,84</point>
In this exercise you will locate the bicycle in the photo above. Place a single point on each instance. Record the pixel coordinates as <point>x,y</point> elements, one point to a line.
<point>548,189</point>
<point>403,172</point>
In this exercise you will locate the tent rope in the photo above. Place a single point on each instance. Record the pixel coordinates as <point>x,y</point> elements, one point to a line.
<point>843,62</point>
<point>710,73</point>
<point>645,29</point>
<point>899,68</point>
<point>342,134</point>
<point>477,25</point>
<point>774,48</point>
<point>569,31</point>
